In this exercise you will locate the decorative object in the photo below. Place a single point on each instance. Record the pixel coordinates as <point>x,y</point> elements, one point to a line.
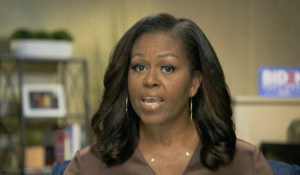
<point>42,45</point>
<point>43,100</point>
<point>35,157</point>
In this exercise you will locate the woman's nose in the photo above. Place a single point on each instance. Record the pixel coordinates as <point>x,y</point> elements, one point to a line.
<point>151,78</point>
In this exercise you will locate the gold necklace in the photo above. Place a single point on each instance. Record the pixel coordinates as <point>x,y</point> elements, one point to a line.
<point>160,163</point>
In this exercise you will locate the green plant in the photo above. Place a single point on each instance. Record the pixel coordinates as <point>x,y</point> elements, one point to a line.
<point>22,33</point>
<point>42,35</point>
<point>61,35</point>
<point>33,138</point>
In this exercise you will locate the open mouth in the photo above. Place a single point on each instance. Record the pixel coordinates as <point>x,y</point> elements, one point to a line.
<point>152,102</point>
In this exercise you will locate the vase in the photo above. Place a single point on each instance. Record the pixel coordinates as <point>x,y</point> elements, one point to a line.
<point>41,48</point>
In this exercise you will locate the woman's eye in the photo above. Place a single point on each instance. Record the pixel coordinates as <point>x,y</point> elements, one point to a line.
<point>168,69</point>
<point>138,68</point>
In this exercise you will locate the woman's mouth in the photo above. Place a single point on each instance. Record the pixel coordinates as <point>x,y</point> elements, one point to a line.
<point>152,103</point>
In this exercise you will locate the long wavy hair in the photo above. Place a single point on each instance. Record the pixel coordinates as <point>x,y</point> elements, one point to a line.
<point>117,131</point>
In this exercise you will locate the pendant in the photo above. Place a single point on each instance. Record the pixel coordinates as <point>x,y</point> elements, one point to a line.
<point>187,154</point>
<point>152,160</point>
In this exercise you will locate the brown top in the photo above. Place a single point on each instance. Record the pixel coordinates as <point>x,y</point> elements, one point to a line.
<point>248,160</point>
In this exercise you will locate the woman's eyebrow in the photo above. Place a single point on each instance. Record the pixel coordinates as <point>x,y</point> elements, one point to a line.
<point>163,55</point>
<point>138,55</point>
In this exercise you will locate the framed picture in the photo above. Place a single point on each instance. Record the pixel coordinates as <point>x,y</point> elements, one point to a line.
<point>43,100</point>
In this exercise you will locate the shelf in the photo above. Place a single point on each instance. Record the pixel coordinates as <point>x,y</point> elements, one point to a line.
<point>265,100</point>
<point>10,57</point>
<point>71,73</point>
<point>44,171</point>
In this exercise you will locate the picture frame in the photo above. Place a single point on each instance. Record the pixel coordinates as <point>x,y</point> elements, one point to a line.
<point>43,100</point>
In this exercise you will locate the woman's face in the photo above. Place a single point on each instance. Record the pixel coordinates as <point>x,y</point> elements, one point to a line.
<point>160,82</point>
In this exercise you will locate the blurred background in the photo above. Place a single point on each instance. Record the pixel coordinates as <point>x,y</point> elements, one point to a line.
<point>246,34</point>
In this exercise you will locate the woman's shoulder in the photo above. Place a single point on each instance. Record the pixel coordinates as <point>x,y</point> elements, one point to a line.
<point>247,150</point>
<point>85,162</point>
<point>86,153</point>
<point>249,157</point>
<point>245,147</point>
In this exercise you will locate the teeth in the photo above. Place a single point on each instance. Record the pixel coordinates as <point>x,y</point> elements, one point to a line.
<point>152,99</point>
<point>151,104</point>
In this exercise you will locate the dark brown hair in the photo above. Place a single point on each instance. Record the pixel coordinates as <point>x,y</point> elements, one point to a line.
<point>117,133</point>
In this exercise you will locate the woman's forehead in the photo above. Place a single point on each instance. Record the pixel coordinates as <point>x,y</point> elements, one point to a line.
<point>159,40</point>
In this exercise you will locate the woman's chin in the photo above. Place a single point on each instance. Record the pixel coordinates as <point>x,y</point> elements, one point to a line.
<point>152,120</point>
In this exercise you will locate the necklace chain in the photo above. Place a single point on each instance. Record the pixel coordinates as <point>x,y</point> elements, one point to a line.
<point>158,163</point>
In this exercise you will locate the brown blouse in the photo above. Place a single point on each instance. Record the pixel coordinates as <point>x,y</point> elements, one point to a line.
<point>248,160</point>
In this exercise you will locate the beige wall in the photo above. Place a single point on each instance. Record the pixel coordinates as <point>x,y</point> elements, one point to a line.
<point>264,119</point>
<point>244,33</point>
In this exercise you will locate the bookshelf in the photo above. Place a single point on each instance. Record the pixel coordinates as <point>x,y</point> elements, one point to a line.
<point>18,129</point>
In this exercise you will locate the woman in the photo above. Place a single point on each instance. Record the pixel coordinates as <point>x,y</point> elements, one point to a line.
<point>166,108</point>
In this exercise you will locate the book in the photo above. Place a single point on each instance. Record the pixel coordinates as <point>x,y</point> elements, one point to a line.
<point>72,140</point>
<point>59,145</point>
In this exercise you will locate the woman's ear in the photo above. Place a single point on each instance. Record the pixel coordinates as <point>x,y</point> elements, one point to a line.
<point>196,81</point>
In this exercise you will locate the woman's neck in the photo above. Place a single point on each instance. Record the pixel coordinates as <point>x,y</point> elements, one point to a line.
<point>167,146</point>
<point>164,135</point>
